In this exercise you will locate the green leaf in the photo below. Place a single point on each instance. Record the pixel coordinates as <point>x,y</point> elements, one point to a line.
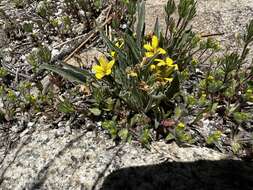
<point>123,134</point>
<point>241,117</point>
<point>174,87</point>
<point>65,106</point>
<point>145,137</point>
<point>235,147</point>
<point>111,127</point>
<point>170,137</point>
<point>77,70</point>
<point>187,9</point>
<point>28,27</point>
<point>248,37</point>
<point>140,22</point>
<point>214,137</point>
<point>44,54</point>
<point>66,73</point>
<point>170,7</point>
<point>178,112</point>
<point>214,107</point>
<point>95,111</point>
<point>157,28</point>
<point>133,47</point>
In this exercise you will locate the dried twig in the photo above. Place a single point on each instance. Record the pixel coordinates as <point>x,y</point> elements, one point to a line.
<point>210,35</point>
<point>87,39</point>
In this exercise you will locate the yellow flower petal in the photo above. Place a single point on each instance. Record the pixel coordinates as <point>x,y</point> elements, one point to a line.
<point>102,60</point>
<point>148,47</point>
<point>108,69</point>
<point>155,42</point>
<point>181,125</point>
<point>99,75</point>
<point>113,53</point>
<point>97,68</point>
<point>108,72</point>
<point>117,44</point>
<point>210,78</point>
<point>111,63</point>
<point>133,74</point>
<point>169,61</point>
<point>149,54</point>
<point>168,79</point>
<point>176,66</point>
<point>161,63</point>
<point>158,60</point>
<point>161,51</point>
<point>152,67</point>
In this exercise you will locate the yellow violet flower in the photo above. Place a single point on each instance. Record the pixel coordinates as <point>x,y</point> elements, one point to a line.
<point>152,67</point>
<point>153,48</point>
<point>168,79</point>
<point>113,54</point>
<point>181,125</point>
<point>168,62</point>
<point>118,45</point>
<point>132,74</point>
<point>105,67</point>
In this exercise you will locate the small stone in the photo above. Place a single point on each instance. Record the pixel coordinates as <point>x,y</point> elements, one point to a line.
<point>68,129</point>
<point>55,53</point>
<point>59,132</point>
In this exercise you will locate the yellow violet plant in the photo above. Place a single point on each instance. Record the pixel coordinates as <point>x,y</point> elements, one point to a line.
<point>151,82</point>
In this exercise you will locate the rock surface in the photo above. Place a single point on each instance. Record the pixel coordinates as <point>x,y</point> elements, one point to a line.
<point>223,16</point>
<point>48,158</point>
<point>58,159</point>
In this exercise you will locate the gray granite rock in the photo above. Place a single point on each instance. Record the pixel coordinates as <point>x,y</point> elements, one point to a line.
<point>79,160</point>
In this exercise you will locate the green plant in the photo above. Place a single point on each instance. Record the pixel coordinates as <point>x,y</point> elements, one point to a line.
<point>139,70</point>
<point>38,56</point>
<point>153,77</point>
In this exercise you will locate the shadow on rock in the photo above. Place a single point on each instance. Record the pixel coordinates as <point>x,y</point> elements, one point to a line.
<point>199,175</point>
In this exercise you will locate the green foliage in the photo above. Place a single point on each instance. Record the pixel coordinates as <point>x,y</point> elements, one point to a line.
<point>111,126</point>
<point>65,106</point>
<point>21,100</point>
<point>241,117</point>
<point>38,56</point>
<point>152,77</point>
<point>145,137</point>
<point>43,9</point>
<point>214,137</point>
<point>3,72</point>
<point>95,111</point>
<point>180,134</point>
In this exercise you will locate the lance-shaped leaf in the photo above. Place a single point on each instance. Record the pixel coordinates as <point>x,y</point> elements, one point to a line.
<point>157,28</point>
<point>66,73</point>
<point>140,22</point>
<point>133,47</point>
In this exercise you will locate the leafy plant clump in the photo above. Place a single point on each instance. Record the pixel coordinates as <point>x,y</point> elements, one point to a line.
<point>151,81</point>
